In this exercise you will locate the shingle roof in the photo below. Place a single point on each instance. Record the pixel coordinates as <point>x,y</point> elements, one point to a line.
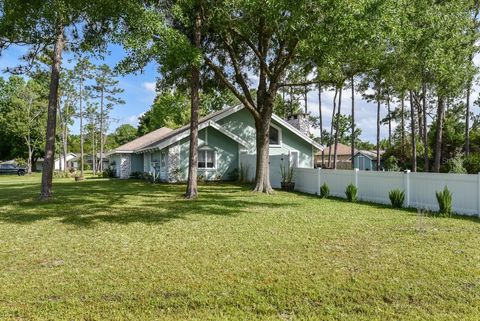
<point>342,150</point>
<point>186,127</point>
<point>144,140</point>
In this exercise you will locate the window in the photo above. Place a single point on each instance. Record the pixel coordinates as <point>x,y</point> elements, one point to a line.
<point>206,158</point>
<point>274,136</point>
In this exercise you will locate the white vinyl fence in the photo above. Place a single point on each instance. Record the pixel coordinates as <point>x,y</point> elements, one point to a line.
<point>419,188</point>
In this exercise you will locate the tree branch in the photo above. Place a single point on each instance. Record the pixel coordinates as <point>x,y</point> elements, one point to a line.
<point>231,87</point>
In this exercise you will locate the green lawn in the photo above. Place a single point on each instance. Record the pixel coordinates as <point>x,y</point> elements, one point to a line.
<point>127,250</point>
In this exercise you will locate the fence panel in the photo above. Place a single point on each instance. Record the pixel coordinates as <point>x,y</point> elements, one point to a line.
<point>337,180</point>
<point>306,180</point>
<point>463,187</point>
<point>375,186</point>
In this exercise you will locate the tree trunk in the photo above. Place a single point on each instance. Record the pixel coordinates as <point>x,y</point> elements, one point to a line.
<point>30,154</point>
<point>81,124</point>
<point>378,129</point>
<point>389,121</point>
<point>262,173</point>
<point>337,126</point>
<point>192,191</point>
<point>93,148</point>
<point>467,121</point>
<point>49,159</point>
<point>402,104</point>
<point>353,124</point>
<point>425,132</point>
<point>331,128</point>
<point>101,131</point>
<point>439,134</point>
<point>414,143</point>
<point>306,99</point>
<point>320,120</point>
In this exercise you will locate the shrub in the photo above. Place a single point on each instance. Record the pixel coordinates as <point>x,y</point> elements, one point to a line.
<point>444,199</point>
<point>61,174</point>
<point>108,173</point>
<point>455,165</point>
<point>287,173</point>
<point>351,193</point>
<point>233,175</point>
<point>136,175</point>
<point>397,197</point>
<point>324,191</point>
<point>391,164</point>
<point>472,164</point>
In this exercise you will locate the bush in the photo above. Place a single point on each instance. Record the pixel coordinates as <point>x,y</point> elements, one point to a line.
<point>444,199</point>
<point>472,164</point>
<point>233,175</point>
<point>455,165</point>
<point>61,174</point>
<point>397,197</point>
<point>108,173</point>
<point>324,191</point>
<point>351,193</point>
<point>136,175</point>
<point>391,164</point>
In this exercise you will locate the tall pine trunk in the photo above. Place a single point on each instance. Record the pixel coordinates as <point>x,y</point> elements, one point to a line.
<point>414,142</point>
<point>467,121</point>
<point>402,108</point>
<point>337,127</point>
<point>389,121</point>
<point>353,124</point>
<point>439,134</point>
<point>192,191</point>
<point>49,159</point>
<point>102,120</point>
<point>320,121</point>
<point>81,123</point>
<point>378,129</point>
<point>331,128</point>
<point>425,132</point>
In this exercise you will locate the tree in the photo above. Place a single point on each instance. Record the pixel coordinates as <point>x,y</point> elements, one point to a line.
<point>106,91</point>
<point>124,133</point>
<point>57,24</point>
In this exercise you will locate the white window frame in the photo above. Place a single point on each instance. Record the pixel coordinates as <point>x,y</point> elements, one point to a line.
<point>205,150</point>
<point>280,138</point>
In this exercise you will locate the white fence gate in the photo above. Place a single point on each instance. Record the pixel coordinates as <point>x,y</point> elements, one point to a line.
<point>372,186</point>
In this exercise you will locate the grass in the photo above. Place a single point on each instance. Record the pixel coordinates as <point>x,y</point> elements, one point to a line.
<point>127,250</point>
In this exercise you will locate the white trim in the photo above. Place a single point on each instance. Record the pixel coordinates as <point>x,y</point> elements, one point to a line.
<point>205,150</point>
<point>186,133</point>
<point>280,137</point>
<point>297,132</point>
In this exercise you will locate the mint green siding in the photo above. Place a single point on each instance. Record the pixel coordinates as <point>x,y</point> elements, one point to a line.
<point>226,151</point>
<point>242,124</point>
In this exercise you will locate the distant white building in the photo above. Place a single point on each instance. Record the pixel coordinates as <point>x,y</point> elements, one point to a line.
<point>60,164</point>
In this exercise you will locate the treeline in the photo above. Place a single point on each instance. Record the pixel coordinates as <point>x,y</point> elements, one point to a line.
<point>417,53</point>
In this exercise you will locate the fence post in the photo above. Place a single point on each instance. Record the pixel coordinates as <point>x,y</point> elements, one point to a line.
<point>406,181</point>
<point>319,178</point>
<point>478,195</point>
<point>355,174</point>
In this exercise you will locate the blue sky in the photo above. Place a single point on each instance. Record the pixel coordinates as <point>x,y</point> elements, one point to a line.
<point>139,93</point>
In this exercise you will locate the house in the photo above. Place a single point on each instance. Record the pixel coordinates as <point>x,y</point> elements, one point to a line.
<point>367,160</point>
<point>225,138</point>
<point>89,160</point>
<point>344,156</point>
<point>71,163</point>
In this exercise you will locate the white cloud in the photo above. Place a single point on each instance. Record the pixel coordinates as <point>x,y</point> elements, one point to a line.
<point>150,86</point>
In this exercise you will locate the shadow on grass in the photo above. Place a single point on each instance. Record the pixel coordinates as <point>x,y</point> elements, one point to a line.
<point>410,210</point>
<point>86,203</point>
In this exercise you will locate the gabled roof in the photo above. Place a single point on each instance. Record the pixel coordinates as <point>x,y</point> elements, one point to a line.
<point>342,150</point>
<point>160,139</point>
<point>369,154</point>
<point>142,141</point>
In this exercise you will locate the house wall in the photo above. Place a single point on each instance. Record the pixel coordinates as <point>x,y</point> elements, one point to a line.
<point>226,156</point>
<point>242,124</point>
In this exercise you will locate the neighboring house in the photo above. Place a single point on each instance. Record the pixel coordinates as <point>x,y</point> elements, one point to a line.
<point>344,157</point>
<point>71,164</point>
<point>89,161</point>
<point>225,137</point>
<point>367,160</point>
